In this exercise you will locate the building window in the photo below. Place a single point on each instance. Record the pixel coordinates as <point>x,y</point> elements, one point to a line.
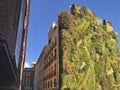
<point>55,69</point>
<point>55,66</point>
<point>49,71</point>
<point>52,69</point>
<point>55,54</point>
<point>48,84</point>
<point>27,81</point>
<point>49,41</point>
<point>28,73</point>
<point>51,83</point>
<point>55,82</point>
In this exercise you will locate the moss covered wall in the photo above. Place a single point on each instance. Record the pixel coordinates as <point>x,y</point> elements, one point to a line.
<point>89,54</point>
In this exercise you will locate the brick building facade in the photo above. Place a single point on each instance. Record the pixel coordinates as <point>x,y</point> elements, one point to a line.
<point>13,34</point>
<point>28,78</point>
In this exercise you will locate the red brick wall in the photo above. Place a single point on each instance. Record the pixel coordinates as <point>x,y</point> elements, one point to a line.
<point>26,76</point>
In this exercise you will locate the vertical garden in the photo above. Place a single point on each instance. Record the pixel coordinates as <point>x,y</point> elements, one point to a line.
<point>89,53</point>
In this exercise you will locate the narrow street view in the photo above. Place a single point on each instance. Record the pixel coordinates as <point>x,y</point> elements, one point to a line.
<point>59,45</point>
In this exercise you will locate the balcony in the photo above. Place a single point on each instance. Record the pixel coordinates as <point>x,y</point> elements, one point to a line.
<point>50,75</point>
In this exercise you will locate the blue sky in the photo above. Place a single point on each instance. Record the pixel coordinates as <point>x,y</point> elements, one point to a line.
<point>44,12</point>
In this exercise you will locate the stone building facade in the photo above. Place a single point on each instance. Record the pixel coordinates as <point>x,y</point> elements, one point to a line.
<point>38,76</point>
<point>47,65</point>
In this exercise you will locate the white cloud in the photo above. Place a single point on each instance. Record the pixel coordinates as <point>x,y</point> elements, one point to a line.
<point>27,64</point>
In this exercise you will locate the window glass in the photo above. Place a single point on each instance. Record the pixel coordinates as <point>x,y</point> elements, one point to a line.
<point>51,83</point>
<point>55,83</point>
<point>27,81</point>
<point>28,73</point>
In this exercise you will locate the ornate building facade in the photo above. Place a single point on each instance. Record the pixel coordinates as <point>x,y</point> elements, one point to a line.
<point>46,69</point>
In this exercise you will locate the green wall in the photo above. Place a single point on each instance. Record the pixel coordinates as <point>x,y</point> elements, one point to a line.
<point>89,54</point>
